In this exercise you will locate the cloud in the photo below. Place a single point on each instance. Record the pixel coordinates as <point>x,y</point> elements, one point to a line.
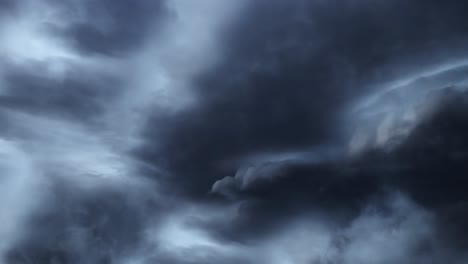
<point>289,73</point>
<point>77,87</point>
<point>85,226</point>
<point>112,28</point>
<point>419,166</point>
<point>388,116</point>
<point>18,178</point>
<point>220,131</point>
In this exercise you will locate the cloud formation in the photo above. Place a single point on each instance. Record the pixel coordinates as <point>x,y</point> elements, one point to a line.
<point>268,131</point>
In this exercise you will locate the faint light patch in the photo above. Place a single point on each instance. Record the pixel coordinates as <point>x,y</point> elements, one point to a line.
<point>180,229</point>
<point>177,235</point>
<point>26,36</point>
<point>316,154</point>
<point>379,237</point>
<point>181,236</point>
<point>303,241</point>
<point>28,39</point>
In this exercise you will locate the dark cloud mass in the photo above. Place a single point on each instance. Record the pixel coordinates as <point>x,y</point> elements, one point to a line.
<point>290,67</point>
<point>114,27</point>
<point>78,95</point>
<point>270,131</point>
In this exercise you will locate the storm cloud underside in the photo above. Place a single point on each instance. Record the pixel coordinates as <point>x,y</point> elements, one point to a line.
<point>270,131</point>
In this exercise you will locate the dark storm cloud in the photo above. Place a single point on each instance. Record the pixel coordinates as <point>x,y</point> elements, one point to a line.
<point>113,27</point>
<point>256,166</point>
<point>431,163</point>
<point>429,166</point>
<point>79,226</point>
<point>330,189</point>
<point>79,94</point>
<point>451,226</point>
<point>433,168</point>
<point>288,70</point>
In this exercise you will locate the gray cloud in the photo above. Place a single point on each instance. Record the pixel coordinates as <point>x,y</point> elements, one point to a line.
<point>220,131</point>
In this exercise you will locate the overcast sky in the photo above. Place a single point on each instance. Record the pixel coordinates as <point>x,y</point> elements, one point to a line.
<point>233,131</point>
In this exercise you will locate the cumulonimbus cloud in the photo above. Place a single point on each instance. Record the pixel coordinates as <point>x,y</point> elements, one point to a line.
<point>233,131</point>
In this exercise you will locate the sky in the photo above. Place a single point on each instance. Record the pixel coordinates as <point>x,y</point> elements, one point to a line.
<point>233,132</point>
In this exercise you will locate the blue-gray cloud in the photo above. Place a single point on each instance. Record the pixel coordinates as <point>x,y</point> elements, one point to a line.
<point>233,131</point>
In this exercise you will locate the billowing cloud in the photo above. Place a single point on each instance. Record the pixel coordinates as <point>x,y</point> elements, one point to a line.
<point>173,131</point>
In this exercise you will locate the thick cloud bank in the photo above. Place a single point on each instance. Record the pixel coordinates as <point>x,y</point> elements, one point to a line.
<point>219,131</point>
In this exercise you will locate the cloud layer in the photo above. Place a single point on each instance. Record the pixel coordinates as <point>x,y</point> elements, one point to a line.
<point>277,132</point>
